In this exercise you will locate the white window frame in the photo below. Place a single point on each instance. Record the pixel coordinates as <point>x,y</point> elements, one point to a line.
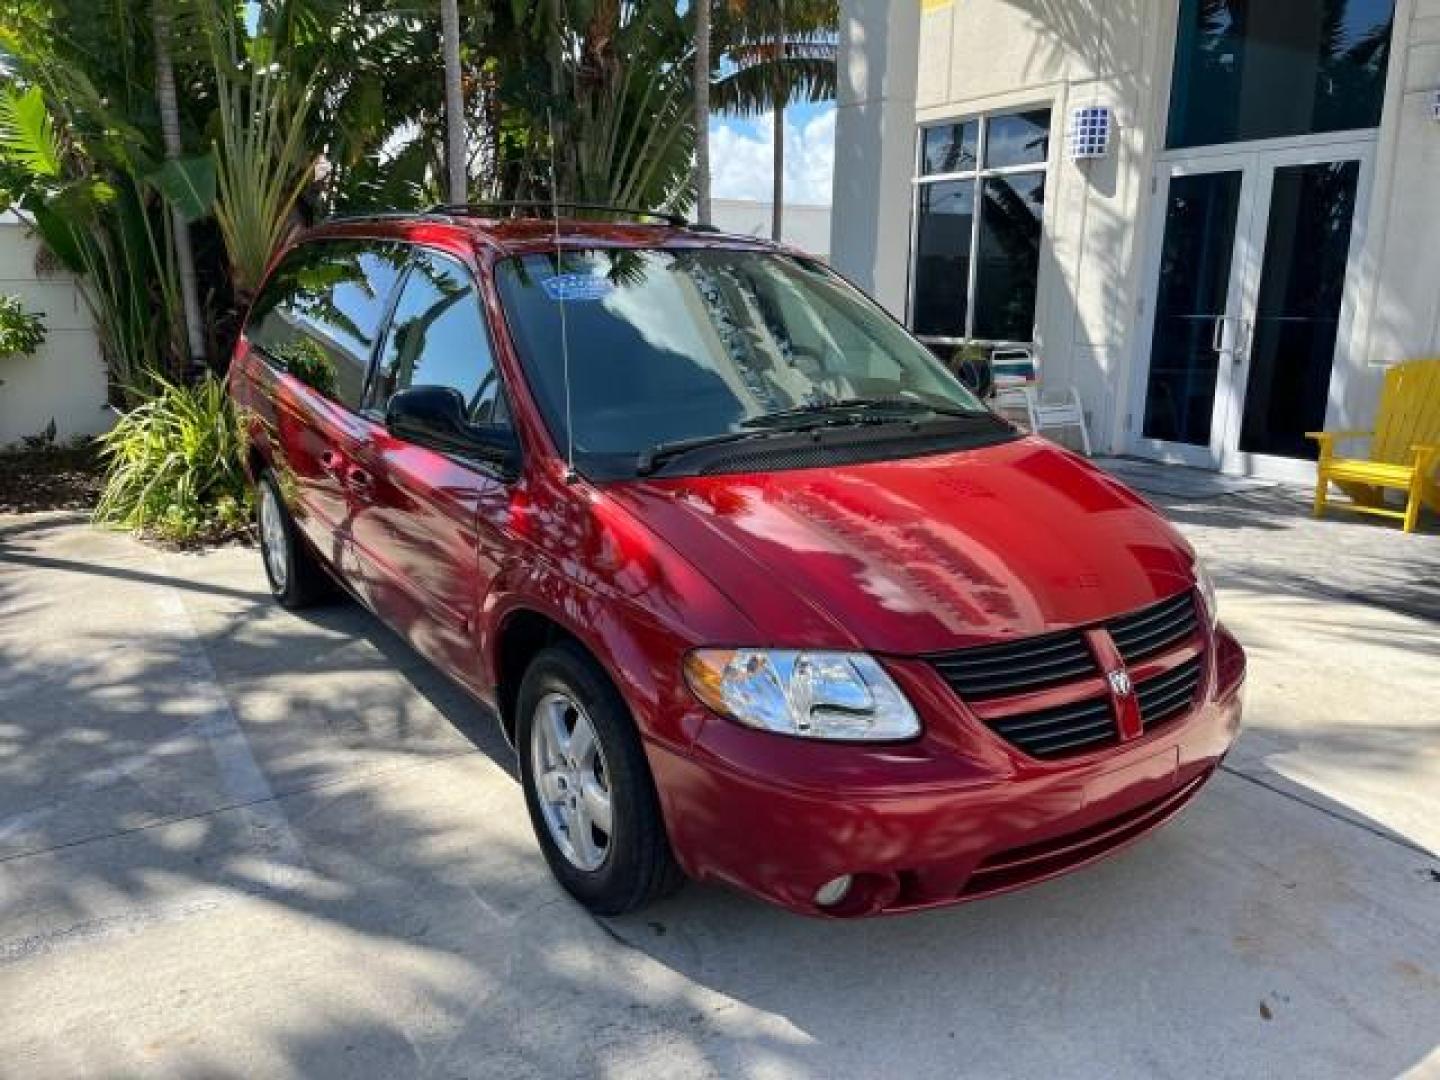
<point>978,175</point>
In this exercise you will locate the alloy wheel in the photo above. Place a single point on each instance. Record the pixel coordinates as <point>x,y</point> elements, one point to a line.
<point>571,781</point>
<point>274,541</point>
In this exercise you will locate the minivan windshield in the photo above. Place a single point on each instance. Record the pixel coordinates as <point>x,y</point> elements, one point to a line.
<point>676,347</point>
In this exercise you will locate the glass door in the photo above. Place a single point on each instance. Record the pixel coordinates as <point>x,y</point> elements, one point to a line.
<point>1248,306</point>
<point>1198,302</point>
<point>1284,372</point>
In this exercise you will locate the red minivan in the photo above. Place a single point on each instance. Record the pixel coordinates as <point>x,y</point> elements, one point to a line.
<point>759,592</point>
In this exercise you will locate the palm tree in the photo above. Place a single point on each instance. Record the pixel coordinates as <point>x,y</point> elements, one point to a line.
<point>702,111</point>
<point>779,51</point>
<point>455,170</point>
<point>170,132</point>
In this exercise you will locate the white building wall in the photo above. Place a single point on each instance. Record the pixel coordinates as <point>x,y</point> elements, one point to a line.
<point>875,146</point>
<point>65,380</point>
<point>976,56</point>
<point>803,226</point>
<point>994,55</point>
<point>1400,309</point>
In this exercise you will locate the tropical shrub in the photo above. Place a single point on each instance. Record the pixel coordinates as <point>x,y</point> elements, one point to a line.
<point>21,332</point>
<point>309,363</point>
<point>173,465</point>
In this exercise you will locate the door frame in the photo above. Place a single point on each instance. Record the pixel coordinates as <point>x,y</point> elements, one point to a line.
<point>1257,162</point>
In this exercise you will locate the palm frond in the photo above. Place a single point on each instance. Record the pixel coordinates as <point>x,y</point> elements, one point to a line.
<point>27,134</point>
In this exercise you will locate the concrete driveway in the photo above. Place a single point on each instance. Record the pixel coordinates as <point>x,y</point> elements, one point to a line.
<point>238,842</point>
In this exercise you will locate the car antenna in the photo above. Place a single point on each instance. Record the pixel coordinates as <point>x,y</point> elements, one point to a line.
<point>570,473</point>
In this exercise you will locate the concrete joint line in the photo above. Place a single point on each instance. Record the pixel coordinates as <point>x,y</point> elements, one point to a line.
<point>240,774</point>
<point>1389,837</point>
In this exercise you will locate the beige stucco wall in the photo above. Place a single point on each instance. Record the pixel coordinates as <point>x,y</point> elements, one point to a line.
<point>983,55</point>
<point>1402,312</point>
<point>65,380</point>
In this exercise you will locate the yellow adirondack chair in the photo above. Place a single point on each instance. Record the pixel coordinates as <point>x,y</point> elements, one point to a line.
<point>1404,449</point>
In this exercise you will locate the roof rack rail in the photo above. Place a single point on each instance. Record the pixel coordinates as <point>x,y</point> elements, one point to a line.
<point>479,208</point>
<point>372,215</point>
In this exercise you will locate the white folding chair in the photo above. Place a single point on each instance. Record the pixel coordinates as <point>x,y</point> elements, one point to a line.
<point>1017,387</point>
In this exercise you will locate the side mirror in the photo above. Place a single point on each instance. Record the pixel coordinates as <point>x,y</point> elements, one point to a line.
<point>434,417</point>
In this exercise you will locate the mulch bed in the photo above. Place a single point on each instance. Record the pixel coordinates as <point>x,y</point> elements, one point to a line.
<point>52,478</point>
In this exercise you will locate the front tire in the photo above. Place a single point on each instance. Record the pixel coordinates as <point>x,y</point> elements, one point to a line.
<point>588,787</point>
<point>297,579</point>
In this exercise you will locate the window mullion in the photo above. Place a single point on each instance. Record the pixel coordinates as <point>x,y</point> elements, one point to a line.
<point>981,152</point>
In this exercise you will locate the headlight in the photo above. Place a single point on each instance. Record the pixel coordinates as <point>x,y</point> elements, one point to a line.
<point>815,695</point>
<point>1207,592</point>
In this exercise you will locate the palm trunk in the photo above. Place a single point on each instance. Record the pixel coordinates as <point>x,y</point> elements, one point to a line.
<point>455,170</point>
<point>702,112</point>
<point>170,132</point>
<point>777,197</point>
<point>781,92</point>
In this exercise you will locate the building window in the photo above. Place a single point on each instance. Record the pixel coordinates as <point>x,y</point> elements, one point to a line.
<point>1255,69</point>
<point>979,204</point>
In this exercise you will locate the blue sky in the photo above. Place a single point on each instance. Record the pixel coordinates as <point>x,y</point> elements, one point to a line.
<point>740,155</point>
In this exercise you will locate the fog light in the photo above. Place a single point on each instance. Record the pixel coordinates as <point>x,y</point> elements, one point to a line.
<point>832,892</point>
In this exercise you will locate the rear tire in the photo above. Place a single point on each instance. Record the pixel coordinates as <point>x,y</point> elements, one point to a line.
<point>297,579</point>
<point>593,807</point>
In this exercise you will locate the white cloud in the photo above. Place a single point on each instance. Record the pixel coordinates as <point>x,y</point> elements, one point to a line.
<point>741,159</point>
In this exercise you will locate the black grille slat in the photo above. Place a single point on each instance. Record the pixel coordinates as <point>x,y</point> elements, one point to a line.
<point>1050,718</point>
<point>1060,654</point>
<point>1036,648</point>
<point>1153,612</point>
<point>1158,635</point>
<point>1016,667</point>
<point>1050,733</point>
<point>1022,681</point>
<point>1096,735</point>
<point>1154,629</point>
<point>1169,694</point>
<point>1163,684</point>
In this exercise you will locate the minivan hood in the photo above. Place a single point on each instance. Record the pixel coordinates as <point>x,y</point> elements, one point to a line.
<point>924,554</point>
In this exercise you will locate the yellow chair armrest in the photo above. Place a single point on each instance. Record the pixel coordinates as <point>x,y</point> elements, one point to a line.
<point>1323,437</point>
<point>1328,439</point>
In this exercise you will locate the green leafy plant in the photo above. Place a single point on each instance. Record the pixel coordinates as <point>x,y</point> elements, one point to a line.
<point>173,465</point>
<point>21,332</point>
<point>308,362</point>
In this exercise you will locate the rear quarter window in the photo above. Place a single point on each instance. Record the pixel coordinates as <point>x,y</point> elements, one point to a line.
<point>320,312</point>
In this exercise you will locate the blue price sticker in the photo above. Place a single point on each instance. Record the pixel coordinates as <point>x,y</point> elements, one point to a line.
<point>577,287</point>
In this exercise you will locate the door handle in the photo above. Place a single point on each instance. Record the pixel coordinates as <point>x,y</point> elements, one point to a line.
<point>1242,342</point>
<point>330,461</point>
<point>358,477</point>
<point>1217,336</point>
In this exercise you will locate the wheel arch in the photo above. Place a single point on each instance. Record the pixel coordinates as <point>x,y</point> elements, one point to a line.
<point>519,637</point>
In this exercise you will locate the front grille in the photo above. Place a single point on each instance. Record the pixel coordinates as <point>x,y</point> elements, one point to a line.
<point>1061,731</point>
<point>1155,629</point>
<point>1033,664</point>
<point>991,672</point>
<point>1167,695</point>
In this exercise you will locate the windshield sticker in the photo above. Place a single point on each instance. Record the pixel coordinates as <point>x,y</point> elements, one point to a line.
<point>577,287</point>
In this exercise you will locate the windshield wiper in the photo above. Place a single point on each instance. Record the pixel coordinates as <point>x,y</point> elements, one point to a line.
<point>859,411</point>
<point>657,455</point>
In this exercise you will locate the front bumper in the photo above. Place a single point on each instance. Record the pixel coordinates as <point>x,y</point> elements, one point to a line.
<point>954,816</point>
